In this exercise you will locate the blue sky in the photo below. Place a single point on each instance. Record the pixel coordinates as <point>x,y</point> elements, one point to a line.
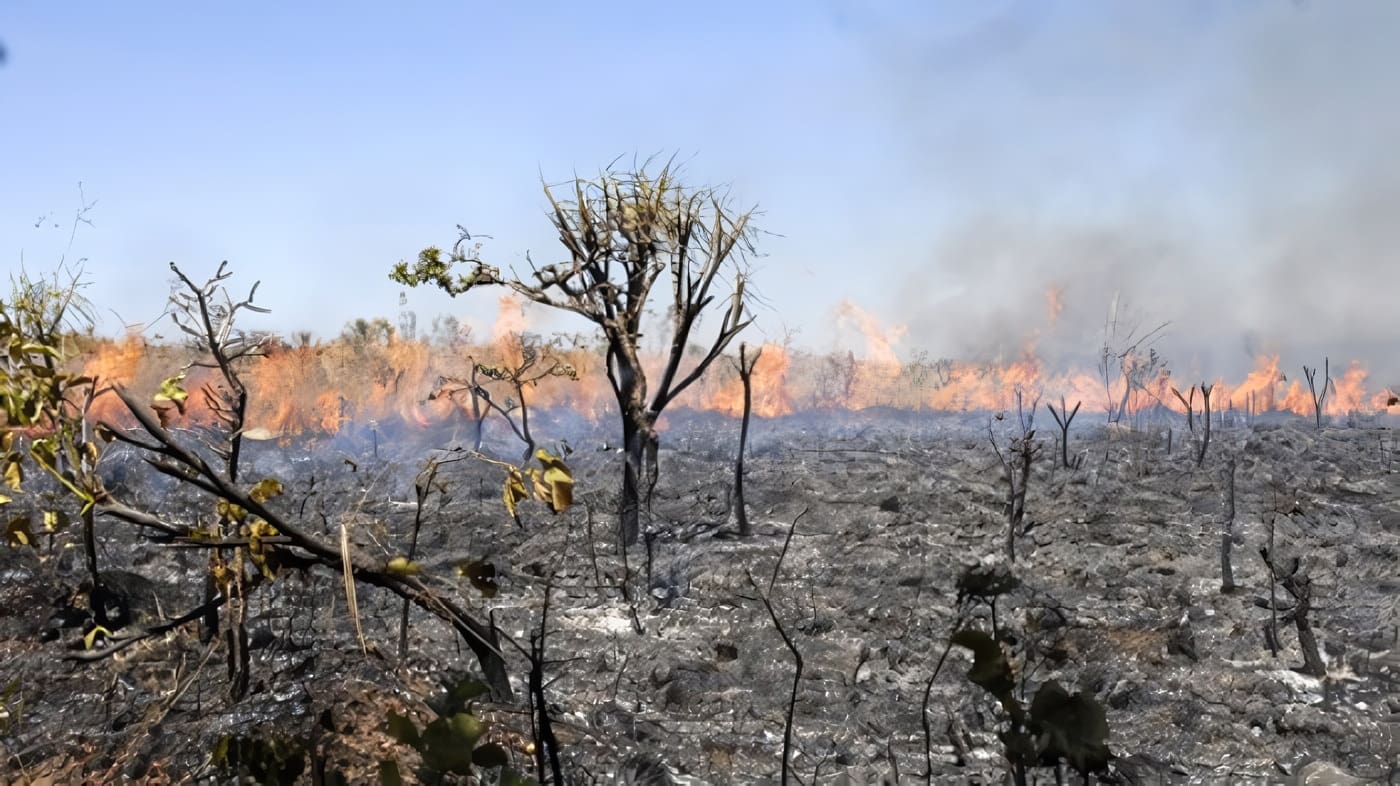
<point>939,163</point>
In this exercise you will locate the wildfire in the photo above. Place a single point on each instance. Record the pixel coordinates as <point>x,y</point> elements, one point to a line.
<point>349,382</point>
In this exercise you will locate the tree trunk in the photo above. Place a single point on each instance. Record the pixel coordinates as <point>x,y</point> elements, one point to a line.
<point>1227,531</point>
<point>629,526</point>
<point>638,472</point>
<point>1205,438</point>
<point>1300,587</point>
<point>741,515</point>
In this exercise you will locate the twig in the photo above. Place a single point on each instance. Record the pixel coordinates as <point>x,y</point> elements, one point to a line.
<point>796,678</point>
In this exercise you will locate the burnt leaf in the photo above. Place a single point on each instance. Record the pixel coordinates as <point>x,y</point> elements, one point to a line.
<point>1073,728</point>
<point>986,582</point>
<point>991,668</point>
<point>482,575</point>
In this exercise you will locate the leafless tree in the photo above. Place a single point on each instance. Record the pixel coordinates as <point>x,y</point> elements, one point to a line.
<point>1016,464</point>
<point>1227,530</point>
<point>1296,582</point>
<point>1121,356</point>
<point>1205,419</point>
<point>745,367</point>
<point>1319,398</point>
<point>1188,401</point>
<point>1063,418</point>
<point>624,231</point>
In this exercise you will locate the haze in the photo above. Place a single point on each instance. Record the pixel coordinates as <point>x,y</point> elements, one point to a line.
<point>1227,167</point>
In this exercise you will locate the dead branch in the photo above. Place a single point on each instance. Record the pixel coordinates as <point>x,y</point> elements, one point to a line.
<point>1063,418</point>
<point>1319,398</point>
<point>194,470</point>
<point>1205,439</point>
<point>745,367</point>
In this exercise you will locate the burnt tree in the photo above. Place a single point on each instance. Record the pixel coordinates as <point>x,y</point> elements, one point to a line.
<point>1205,420</point>
<point>1063,418</point>
<point>1319,399</point>
<point>1293,578</point>
<point>624,231</point>
<point>1189,402</point>
<point>745,367</point>
<point>1227,530</point>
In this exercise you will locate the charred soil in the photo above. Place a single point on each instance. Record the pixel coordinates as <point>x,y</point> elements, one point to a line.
<point>1120,596</point>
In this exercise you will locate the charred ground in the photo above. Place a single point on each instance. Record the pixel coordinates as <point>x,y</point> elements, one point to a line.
<point>1120,597</point>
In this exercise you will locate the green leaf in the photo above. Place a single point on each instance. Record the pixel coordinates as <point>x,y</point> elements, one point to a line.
<point>490,755</point>
<point>402,729</point>
<point>460,696</point>
<point>510,777</point>
<point>468,727</point>
<point>447,747</point>
<point>403,566</point>
<point>389,774</point>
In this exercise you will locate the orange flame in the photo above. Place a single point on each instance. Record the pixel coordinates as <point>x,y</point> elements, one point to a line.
<point>349,382</point>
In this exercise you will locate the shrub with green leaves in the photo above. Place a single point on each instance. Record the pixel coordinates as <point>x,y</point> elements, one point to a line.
<point>451,744</point>
<point>1057,727</point>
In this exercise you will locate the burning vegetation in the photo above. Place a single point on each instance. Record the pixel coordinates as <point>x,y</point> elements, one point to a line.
<point>319,388</point>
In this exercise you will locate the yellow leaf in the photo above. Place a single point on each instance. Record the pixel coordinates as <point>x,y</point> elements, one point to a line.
<point>17,532</point>
<point>255,531</point>
<point>4,499</point>
<point>90,639</point>
<point>223,576</point>
<point>265,489</point>
<point>537,481</point>
<point>515,490</point>
<point>403,566</point>
<point>14,472</point>
<point>230,511</point>
<point>557,480</point>
<point>171,391</point>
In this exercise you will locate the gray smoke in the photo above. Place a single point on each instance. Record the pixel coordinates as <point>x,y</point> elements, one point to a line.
<point>1232,168</point>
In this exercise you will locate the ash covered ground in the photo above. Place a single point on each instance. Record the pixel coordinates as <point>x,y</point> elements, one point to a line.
<point>1120,597</point>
